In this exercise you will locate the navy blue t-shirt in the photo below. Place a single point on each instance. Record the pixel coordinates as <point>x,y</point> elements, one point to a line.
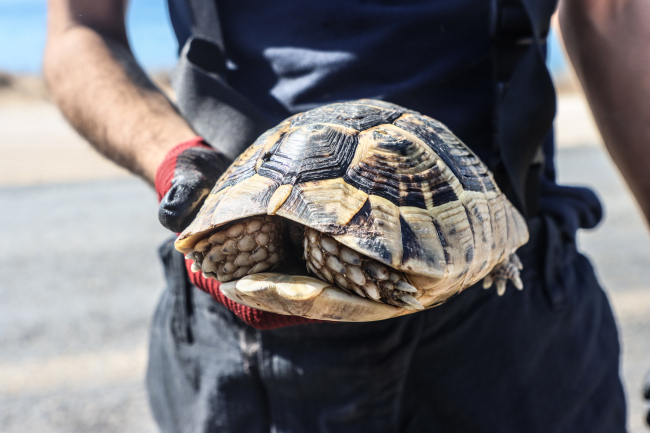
<point>434,57</point>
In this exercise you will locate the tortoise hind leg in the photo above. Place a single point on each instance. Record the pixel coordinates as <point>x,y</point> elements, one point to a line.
<point>508,270</point>
<point>332,261</point>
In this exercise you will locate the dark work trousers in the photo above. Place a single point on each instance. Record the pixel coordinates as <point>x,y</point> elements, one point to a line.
<point>544,359</point>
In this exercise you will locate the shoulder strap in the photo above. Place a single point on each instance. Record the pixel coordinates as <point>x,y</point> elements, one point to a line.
<point>216,111</point>
<point>205,21</point>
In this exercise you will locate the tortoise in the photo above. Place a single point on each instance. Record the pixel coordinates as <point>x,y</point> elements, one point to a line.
<point>365,211</point>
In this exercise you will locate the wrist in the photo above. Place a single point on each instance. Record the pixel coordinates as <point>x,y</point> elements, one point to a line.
<point>165,170</point>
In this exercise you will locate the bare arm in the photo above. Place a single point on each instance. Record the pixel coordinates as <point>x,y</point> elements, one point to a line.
<point>103,92</point>
<point>608,42</point>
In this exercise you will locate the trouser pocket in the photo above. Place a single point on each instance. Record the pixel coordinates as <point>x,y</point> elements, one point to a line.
<point>559,255</point>
<point>179,288</point>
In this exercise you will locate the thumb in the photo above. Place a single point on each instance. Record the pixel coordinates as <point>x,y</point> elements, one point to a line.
<point>181,204</point>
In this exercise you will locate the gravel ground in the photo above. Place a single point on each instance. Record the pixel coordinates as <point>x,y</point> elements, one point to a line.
<point>79,278</point>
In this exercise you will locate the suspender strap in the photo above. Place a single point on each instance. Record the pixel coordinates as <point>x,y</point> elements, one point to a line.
<point>204,21</point>
<point>180,287</point>
<point>216,111</point>
<point>525,97</point>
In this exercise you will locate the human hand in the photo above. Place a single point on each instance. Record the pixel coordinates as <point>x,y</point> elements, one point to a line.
<point>184,179</point>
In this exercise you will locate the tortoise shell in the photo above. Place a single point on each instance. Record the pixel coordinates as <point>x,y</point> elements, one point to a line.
<point>385,181</point>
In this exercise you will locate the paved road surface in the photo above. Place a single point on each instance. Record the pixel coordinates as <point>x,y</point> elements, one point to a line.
<point>80,280</point>
<point>79,277</point>
<point>620,248</point>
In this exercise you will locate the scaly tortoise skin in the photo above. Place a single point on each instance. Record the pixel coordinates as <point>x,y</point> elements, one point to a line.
<point>387,210</point>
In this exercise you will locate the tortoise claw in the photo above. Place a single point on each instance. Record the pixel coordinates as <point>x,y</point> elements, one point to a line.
<point>487,281</point>
<point>508,270</point>
<point>410,302</point>
<point>501,286</point>
<point>405,287</point>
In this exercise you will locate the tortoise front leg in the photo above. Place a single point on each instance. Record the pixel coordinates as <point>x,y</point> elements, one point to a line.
<point>243,248</point>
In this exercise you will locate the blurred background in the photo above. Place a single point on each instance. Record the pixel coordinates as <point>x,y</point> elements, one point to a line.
<point>79,275</point>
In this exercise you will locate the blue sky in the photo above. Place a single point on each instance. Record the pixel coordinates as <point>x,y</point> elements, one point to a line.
<point>22,34</point>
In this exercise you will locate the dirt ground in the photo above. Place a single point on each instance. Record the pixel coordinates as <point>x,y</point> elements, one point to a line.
<point>79,277</point>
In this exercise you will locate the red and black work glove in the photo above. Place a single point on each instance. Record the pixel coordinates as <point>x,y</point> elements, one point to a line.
<point>183,181</point>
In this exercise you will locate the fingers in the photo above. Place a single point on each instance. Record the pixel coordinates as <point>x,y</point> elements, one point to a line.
<point>196,171</point>
<point>206,162</point>
<point>181,204</point>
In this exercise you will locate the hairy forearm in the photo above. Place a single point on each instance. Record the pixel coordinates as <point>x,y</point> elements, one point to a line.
<point>102,91</point>
<point>608,42</point>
